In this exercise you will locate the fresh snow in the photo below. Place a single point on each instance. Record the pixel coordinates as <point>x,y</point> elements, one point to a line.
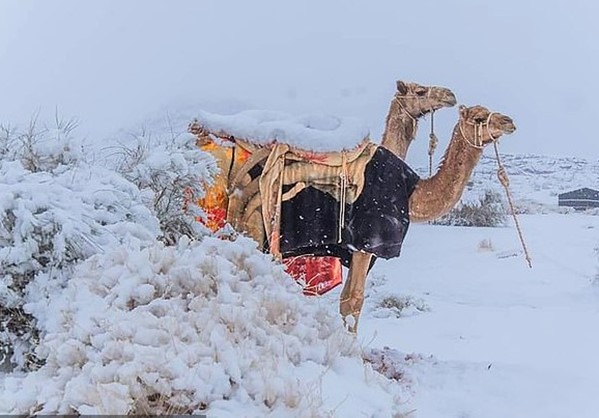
<point>318,132</point>
<point>504,340</point>
<point>204,323</point>
<point>458,326</point>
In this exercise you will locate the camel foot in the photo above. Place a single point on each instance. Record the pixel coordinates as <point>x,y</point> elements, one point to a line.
<point>350,309</point>
<point>350,322</point>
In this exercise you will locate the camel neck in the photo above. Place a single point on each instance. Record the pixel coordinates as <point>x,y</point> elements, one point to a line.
<point>435,196</point>
<point>400,129</point>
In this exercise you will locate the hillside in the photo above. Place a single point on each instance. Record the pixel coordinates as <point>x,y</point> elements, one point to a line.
<point>535,180</point>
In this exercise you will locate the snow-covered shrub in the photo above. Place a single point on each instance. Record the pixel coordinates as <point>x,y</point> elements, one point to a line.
<point>202,327</point>
<point>56,210</point>
<point>41,148</point>
<point>399,306</point>
<point>489,210</point>
<point>486,245</point>
<point>58,206</point>
<point>396,365</point>
<point>172,172</point>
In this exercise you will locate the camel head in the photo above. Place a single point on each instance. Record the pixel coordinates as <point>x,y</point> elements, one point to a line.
<point>479,126</point>
<point>419,100</point>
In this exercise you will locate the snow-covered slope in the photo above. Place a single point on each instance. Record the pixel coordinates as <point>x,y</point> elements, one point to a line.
<point>539,178</point>
<point>535,180</point>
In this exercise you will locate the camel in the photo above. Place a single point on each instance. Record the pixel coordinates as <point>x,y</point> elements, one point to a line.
<point>426,199</point>
<point>410,103</point>
<point>432,198</point>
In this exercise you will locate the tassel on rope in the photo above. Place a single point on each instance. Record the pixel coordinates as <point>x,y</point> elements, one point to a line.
<point>432,144</point>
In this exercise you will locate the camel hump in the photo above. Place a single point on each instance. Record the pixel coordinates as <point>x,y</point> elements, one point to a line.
<point>312,134</point>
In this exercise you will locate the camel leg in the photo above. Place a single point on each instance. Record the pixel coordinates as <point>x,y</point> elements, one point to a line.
<point>352,295</point>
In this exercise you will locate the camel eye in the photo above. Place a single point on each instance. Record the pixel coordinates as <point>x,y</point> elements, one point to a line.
<point>479,119</point>
<point>420,93</point>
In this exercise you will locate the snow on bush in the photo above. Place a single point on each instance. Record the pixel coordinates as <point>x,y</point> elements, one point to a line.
<point>49,222</point>
<point>168,167</point>
<point>202,327</point>
<point>488,211</point>
<point>55,211</point>
<point>59,207</point>
<point>41,148</point>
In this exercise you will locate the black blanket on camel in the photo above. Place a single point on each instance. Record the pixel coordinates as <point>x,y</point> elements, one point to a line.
<point>376,222</point>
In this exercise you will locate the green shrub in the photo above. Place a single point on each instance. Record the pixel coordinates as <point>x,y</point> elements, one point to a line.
<point>489,210</point>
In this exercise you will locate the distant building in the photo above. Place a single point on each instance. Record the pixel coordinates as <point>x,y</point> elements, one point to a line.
<point>580,199</point>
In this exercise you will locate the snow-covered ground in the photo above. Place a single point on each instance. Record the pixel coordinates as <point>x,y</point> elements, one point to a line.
<point>476,332</point>
<point>504,340</point>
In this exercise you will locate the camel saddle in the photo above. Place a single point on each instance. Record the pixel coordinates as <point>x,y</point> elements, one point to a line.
<point>275,166</point>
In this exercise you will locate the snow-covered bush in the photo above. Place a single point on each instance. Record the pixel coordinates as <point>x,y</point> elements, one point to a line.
<point>59,206</point>
<point>489,210</point>
<point>211,326</point>
<point>55,211</point>
<point>172,172</point>
<point>41,148</point>
<point>398,306</point>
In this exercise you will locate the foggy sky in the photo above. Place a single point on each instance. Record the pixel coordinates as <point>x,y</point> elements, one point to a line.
<point>112,63</point>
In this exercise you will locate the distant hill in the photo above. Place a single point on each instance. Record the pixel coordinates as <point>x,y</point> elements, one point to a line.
<point>534,179</point>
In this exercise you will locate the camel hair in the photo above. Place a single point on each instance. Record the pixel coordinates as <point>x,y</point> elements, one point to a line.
<point>433,197</point>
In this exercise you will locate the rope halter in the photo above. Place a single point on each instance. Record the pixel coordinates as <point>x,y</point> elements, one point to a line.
<point>412,96</point>
<point>479,128</point>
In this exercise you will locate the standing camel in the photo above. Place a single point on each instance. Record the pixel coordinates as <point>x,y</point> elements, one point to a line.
<point>432,198</point>
<point>411,102</point>
<point>319,210</point>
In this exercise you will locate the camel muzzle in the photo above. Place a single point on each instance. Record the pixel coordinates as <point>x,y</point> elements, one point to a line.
<point>450,99</point>
<point>507,125</point>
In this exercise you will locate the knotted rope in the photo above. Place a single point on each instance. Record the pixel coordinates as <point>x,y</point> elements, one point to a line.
<point>432,144</point>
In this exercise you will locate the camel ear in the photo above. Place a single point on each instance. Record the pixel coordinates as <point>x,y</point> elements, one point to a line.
<point>401,87</point>
<point>463,109</point>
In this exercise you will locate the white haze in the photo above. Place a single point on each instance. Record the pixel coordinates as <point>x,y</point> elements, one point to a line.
<point>112,63</point>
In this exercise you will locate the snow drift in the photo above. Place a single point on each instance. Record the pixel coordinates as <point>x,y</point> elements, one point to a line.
<point>211,326</point>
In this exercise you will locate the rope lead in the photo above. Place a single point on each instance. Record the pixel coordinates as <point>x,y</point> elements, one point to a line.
<point>342,196</point>
<point>505,182</point>
<point>432,144</point>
